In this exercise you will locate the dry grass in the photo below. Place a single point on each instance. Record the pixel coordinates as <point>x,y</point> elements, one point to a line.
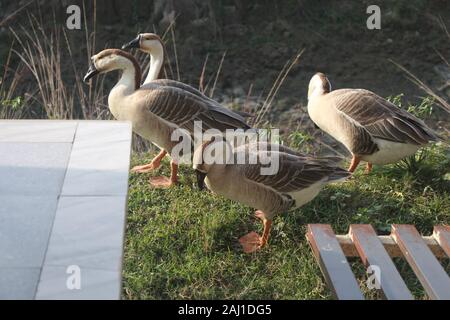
<point>441,100</point>
<point>201,83</point>
<point>59,95</point>
<point>55,93</point>
<point>41,53</point>
<point>10,103</point>
<point>258,121</point>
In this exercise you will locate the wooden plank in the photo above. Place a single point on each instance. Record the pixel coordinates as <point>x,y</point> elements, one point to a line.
<point>389,245</point>
<point>333,263</point>
<point>424,264</point>
<point>442,236</point>
<point>372,253</point>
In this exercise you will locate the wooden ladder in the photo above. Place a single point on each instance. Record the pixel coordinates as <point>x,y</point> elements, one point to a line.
<point>421,253</point>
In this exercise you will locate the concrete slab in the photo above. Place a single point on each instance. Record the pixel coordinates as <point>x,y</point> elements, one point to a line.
<point>25,226</point>
<point>63,194</point>
<point>88,232</point>
<point>33,168</point>
<point>61,283</point>
<point>37,131</point>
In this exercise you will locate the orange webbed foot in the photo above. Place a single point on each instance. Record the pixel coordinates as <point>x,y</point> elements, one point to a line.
<point>145,168</point>
<point>153,165</point>
<point>162,182</point>
<point>250,242</point>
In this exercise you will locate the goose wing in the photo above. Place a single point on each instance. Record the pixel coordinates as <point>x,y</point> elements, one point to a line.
<point>196,92</point>
<point>182,108</point>
<point>181,85</point>
<point>268,146</point>
<point>381,118</point>
<point>295,172</point>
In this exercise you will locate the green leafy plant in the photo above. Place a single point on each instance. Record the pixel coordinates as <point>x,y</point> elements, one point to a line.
<point>424,109</point>
<point>415,163</point>
<point>14,104</point>
<point>11,108</point>
<point>397,100</point>
<point>302,141</point>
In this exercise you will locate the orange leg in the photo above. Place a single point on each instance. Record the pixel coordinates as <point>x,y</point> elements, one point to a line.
<point>354,163</point>
<point>164,182</point>
<point>156,162</point>
<point>173,172</point>
<point>267,227</point>
<point>252,241</point>
<point>368,168</point>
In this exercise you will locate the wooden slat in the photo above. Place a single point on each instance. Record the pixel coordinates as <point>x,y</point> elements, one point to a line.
<point>442,236</point>
<point>389,245</point>
<point>333,263</point>
<point>372,253</point>
<point>424,264</point>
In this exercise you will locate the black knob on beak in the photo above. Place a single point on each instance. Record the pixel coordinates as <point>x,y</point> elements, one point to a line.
<point>90,73</point>
<point>135,43</point>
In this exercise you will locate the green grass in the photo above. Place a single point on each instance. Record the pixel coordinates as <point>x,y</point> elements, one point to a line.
<point>183,244</point>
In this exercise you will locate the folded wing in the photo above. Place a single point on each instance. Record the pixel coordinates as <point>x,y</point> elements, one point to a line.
<point>381,118</point>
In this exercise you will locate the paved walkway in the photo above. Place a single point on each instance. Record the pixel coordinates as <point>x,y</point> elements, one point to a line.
<point>63,197</point>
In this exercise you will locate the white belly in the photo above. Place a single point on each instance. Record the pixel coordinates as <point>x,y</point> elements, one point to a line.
<point>390,152</point>
<point>306,195</point>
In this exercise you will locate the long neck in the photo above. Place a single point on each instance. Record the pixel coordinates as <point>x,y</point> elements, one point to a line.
<point>128,83</point>
<point>130,79</point>
<point>156,63</point>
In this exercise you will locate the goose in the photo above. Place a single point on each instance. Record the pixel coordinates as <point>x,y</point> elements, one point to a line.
<point>370,127</point>
<point>297,181</point>
<point>157,110</point>
<point>153,45</point>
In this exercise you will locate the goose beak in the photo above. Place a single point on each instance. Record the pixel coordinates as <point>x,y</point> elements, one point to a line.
<point>135,43</point>
<point>90,73</point>
<point>200,179</point>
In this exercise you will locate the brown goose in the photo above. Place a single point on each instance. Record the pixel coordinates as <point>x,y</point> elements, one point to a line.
<point>298,180</point>
<point>152,44</point>
<point>157,111</point>
<point>370,127</point>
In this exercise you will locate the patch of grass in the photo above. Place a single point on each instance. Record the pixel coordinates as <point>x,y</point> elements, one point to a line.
<point>183,244</point>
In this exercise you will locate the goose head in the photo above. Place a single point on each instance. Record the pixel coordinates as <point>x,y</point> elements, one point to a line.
<point>212,152</point>
<point>318,85</point>
<point>110,60</point>
<point>147,42</point>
